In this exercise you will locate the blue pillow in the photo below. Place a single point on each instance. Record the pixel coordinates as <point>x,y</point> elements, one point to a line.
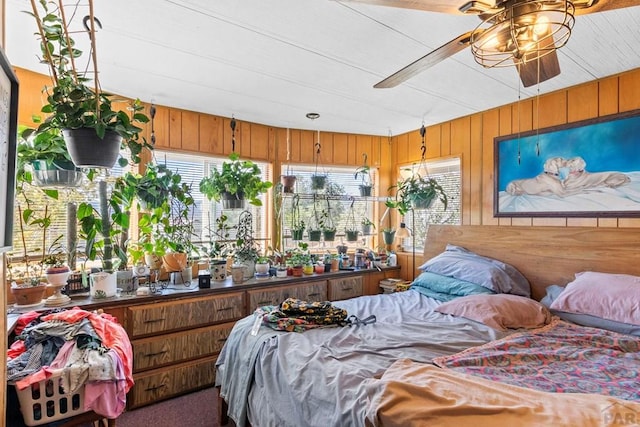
<point>492,274</point>
<point>554,292</point>
<point>444,288</point>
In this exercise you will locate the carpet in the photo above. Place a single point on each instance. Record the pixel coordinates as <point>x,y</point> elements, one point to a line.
<point>197,409</point>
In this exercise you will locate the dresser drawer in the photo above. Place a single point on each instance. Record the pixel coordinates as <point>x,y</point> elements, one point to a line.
<point>177,347</point>
<point>183,314</point>
<point>159,385</point>
<point>310,291</point>
<point>345,288</point>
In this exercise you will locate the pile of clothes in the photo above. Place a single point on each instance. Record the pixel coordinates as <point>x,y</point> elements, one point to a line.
<point>91,349</point>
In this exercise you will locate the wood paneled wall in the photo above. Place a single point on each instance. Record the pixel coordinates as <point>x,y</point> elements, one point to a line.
<point>471,137</point>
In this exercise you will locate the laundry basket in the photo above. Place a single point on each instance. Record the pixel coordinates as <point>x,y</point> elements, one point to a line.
<point>45,401</point>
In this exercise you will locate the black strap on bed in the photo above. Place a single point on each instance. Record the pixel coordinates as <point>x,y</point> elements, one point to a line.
<point>354,321</point>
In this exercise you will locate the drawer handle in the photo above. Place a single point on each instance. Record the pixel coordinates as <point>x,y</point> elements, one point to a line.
<point>350,288</point>
<point>225,309</point>
<point>222,340</point>
<point>261,303</point>
<point>154,320</point>
<point>315,294</point>
<point>155,354</point>
<point>155,388</point>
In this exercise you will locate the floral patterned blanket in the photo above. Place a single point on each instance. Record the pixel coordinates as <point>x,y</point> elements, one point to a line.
<point>561,358</point>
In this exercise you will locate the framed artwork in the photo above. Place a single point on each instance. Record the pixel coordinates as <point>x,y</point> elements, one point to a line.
<point>586,169</point>
<point>8,143</point>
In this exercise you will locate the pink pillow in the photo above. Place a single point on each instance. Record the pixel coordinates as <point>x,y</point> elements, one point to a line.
<point>609,296</point>
<point>499,311</point>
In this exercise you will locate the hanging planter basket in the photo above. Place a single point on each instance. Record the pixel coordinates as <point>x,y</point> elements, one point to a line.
<point>88,150</point>
<point>297,234</point>
<point>422,201</point>
<point>329,235</point>
<point>315,235</point>
<point>232,200</point>
<point>56,174</point>
<point>365,190</point>
<point>389,236</point>
<point>352,235</point>
<point>288,183</point>
<point>366,230</point>
<point>318,182</point>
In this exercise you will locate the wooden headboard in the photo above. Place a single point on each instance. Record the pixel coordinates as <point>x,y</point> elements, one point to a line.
<point>545,255</point>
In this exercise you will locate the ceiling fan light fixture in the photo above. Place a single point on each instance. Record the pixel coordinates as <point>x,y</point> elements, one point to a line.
<point>524,30</point>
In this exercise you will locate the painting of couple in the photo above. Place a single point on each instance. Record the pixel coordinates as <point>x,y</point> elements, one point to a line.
<point>588,169</point>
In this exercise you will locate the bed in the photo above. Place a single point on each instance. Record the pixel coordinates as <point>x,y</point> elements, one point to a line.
<point>349,375</point>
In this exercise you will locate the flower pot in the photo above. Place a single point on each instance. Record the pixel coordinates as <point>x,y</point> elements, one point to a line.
<point>352,235</point>
<point>365,190</point>
<point>126,281</point>
<point>288,183</point>
<point>297,271</point>
<point>88,150</point>
<point>421,201</point>
<point>366,230</point>
<point>249,268</point>
<point>262,268</point>
<point>297,234</point>
<point>153,261</point>
<point>175,261</point>
<point>329,235</point>
<point>182,277</point>
<point>281,273</point>
<point>319,269</point>
<point>335,264</point>
<point>318,182</point>
<point>389,236</point>
<point>307,269</point>
<point>232,200</point>
<point>28,295</point>
<point>314,235</point>
<point>218,269</point>
<point>102,285</point>
<point>56,174</point>
<point>237,273</point>
<point>327,267</point>
<point>57,275</point>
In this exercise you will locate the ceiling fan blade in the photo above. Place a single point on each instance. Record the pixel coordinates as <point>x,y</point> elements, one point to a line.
<point>429,60</point>
<point>443,6</point>
<point>549,67</point>
<point>584,7</point>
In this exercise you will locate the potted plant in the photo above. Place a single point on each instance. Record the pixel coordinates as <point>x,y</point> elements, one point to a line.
<point>43,159</point>
<point>389,235</point>
<point>416,192</point>
<point>326,223</point>
<point>297,224</point>
<point>364,173</point>
<point>57,274</point>
<point>288,183</point>
<point>93,130</point>
<point>262,265</point>
<point>245,249</point>
<point>351,229</point>
<point>315,231</point>
<point>366,226</point>
<point>236,181</point>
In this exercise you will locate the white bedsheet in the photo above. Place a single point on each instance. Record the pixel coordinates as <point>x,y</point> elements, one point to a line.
<point>316,378</point>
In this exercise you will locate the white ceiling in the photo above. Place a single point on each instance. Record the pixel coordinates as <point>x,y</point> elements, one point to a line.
<point>272,61</point>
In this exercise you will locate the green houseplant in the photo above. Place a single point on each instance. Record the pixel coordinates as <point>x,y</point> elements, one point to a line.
<point>94,131</point>
<point>364,173</point>
<point>236,181</point>
<point>416,192</point>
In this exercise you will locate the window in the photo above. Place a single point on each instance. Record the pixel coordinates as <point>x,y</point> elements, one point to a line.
<point>341,197</point>
<point>192,168</point>
<point>447,173</point>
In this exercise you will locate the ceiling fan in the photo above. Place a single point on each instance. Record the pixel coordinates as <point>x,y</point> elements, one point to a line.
<point>520,33</point>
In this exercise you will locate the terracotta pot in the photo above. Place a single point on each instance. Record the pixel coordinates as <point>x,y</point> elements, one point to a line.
<point>319,269</point>
<point>28,295</point>
<point>176,261</point>
<point>288,183</point>
<point>297,271</point>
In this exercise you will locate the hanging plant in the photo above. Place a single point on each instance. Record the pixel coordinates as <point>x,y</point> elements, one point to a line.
<point>364,173</point>
<point>318,180</point>
<point>326,223</point>
<point>351,228</point>
<point>297,224</point>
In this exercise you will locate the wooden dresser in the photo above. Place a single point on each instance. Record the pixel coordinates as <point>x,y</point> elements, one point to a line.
<point>178,334</point>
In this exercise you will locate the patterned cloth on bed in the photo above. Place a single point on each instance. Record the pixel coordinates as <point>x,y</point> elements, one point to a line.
<point>560,357</point>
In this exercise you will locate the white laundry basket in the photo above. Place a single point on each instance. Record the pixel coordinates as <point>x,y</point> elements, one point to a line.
<point>45,401</point>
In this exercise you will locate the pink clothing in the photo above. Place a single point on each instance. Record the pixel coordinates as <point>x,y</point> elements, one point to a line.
<point>107,398</point>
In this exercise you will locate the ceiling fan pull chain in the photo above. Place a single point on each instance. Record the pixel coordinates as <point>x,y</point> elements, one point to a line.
<point>233,134</point>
